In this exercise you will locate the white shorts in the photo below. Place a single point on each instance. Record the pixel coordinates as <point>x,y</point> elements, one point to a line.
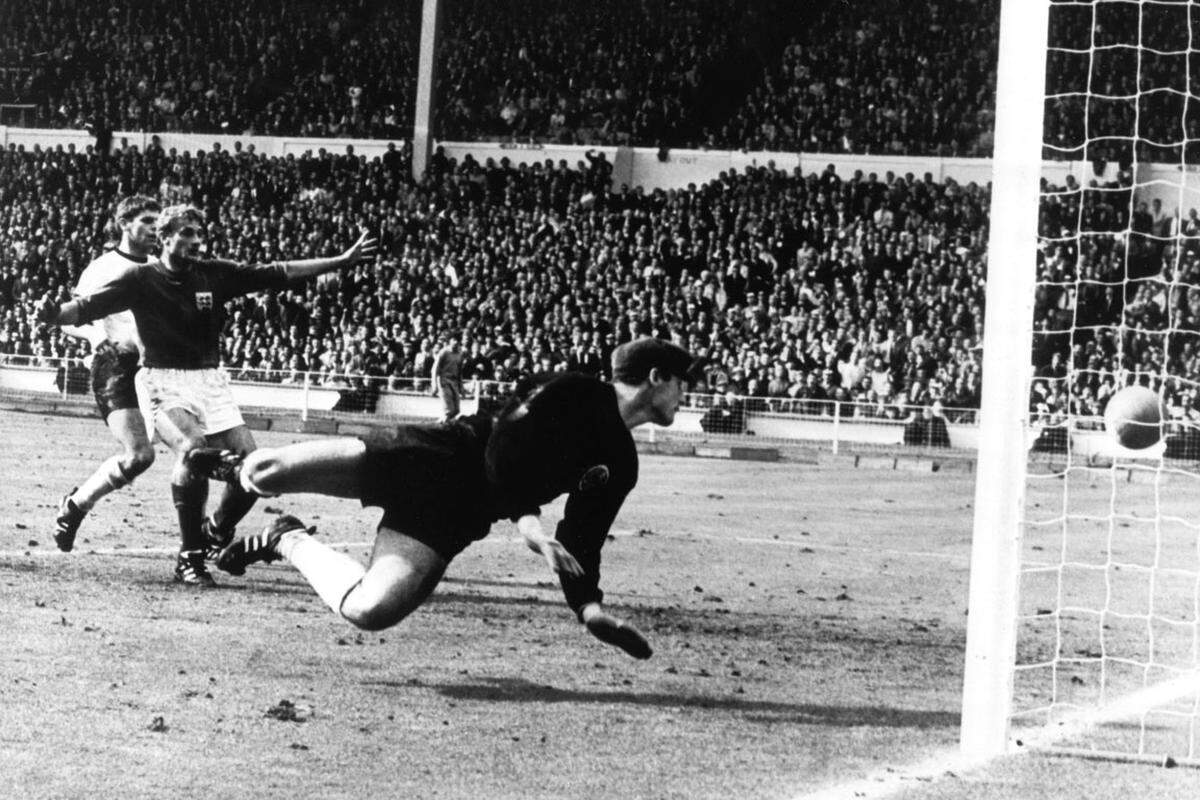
<point>204,393</point>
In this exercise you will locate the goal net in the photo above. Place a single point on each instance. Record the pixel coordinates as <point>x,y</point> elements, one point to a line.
<point>1095,551</point>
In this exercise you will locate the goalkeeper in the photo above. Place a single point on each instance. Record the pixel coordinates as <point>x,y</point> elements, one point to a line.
<point>442,486</point>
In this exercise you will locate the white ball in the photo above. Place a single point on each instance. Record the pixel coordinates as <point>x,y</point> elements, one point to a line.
<point>1134,417</point>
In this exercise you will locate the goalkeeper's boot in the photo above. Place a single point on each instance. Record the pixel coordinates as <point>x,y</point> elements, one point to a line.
<point>260,547</point>
<point>66,524</point>
<point>191,570</point>
<point>215,540</point>
<point>215,463</point>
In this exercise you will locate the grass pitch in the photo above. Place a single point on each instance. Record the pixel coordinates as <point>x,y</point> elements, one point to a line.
<point>808,628</point>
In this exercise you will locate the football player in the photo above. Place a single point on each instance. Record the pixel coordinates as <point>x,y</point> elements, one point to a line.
<point>178,301</point>
<point>442,486</point>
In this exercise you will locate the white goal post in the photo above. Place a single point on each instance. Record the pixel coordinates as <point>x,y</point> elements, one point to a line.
<point>1007,344</point>
<point>1083,632</point>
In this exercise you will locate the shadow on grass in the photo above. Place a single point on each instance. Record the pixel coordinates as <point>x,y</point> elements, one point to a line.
<point>517,690</point>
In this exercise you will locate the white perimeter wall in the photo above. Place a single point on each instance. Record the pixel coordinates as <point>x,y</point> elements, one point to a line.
<point>633,166</point>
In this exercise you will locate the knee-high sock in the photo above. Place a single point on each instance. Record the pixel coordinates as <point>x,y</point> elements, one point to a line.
<point>331,574</point>
<point>235,503</point>
<point>108,477</point>
<point>189,505</point>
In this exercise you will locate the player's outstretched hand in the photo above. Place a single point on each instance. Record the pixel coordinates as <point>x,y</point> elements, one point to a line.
<point>47,309</point>
<point>559,560</point>
<point>366,247</point>
<point>611,630</point>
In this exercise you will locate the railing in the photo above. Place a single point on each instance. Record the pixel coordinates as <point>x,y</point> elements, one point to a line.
<point>785,421</point>
<point>800,407</point>
<point>18,114</point>
<point>827,423</point>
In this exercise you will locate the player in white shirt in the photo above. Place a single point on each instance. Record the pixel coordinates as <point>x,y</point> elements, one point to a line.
<point>116,351</point>
<point>179,301</point>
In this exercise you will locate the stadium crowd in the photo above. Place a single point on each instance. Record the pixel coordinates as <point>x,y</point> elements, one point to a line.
<point>686,73</point>
<point>734,74</point>
<point>917,79</point>
<point>1118,300</point>
<point>797,288</point>
<point>1118,80</point>
<point>218,66</point>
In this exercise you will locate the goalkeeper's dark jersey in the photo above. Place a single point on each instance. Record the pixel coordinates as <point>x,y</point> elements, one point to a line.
<point>179,313</point>
<point>444,485</point>
<point>563,434</point>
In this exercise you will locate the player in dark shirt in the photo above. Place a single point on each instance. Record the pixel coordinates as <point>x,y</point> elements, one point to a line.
<point>442,486</point>
<point>178,301</point>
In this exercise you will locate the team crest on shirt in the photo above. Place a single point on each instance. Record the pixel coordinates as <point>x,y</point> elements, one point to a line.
<point>204,301</point>
<point>594,477</point>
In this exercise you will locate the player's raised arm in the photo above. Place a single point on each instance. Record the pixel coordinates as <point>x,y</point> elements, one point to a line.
<point>366,247</point>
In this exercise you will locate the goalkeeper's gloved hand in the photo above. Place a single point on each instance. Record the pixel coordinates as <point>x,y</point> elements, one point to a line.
<point>611,630</point>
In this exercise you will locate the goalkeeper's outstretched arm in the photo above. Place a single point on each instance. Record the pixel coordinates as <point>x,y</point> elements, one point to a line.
<point>601,624</point>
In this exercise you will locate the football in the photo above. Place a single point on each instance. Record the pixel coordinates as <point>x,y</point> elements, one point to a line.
<point>1134,417</point>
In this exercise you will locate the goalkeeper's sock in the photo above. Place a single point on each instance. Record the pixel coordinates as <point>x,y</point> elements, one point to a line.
<point>331,574</point>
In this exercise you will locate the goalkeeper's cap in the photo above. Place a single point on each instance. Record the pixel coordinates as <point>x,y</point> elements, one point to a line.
<point>632,361</point>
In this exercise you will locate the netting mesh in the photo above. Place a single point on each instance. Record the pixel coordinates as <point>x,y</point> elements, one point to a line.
<point>1110,585</point>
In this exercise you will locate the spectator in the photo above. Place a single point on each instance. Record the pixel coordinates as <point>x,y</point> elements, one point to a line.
<point>728,415</point>
<point>926,427</point>
<point>447,378</point>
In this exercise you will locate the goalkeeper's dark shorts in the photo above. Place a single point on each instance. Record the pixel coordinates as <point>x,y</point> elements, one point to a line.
<point>113,372</point>
<point>429,481</point>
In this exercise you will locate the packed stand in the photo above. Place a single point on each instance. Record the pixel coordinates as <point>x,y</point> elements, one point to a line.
<point>622,72</point>
<point>1117,303</point>
<point>1118,81</point>
<point>885,77</point>
<point>333,68</point>
<point>904,78</point>
<point>551,70</point>
<point>684,73</point>
<point>800,290</point>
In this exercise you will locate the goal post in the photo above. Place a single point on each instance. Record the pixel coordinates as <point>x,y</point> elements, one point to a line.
<point>1083,629</point>
<point>1007,344</point>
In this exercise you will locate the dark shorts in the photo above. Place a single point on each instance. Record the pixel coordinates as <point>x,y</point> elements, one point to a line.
<point>429,481</point>
<point>112,379</point>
